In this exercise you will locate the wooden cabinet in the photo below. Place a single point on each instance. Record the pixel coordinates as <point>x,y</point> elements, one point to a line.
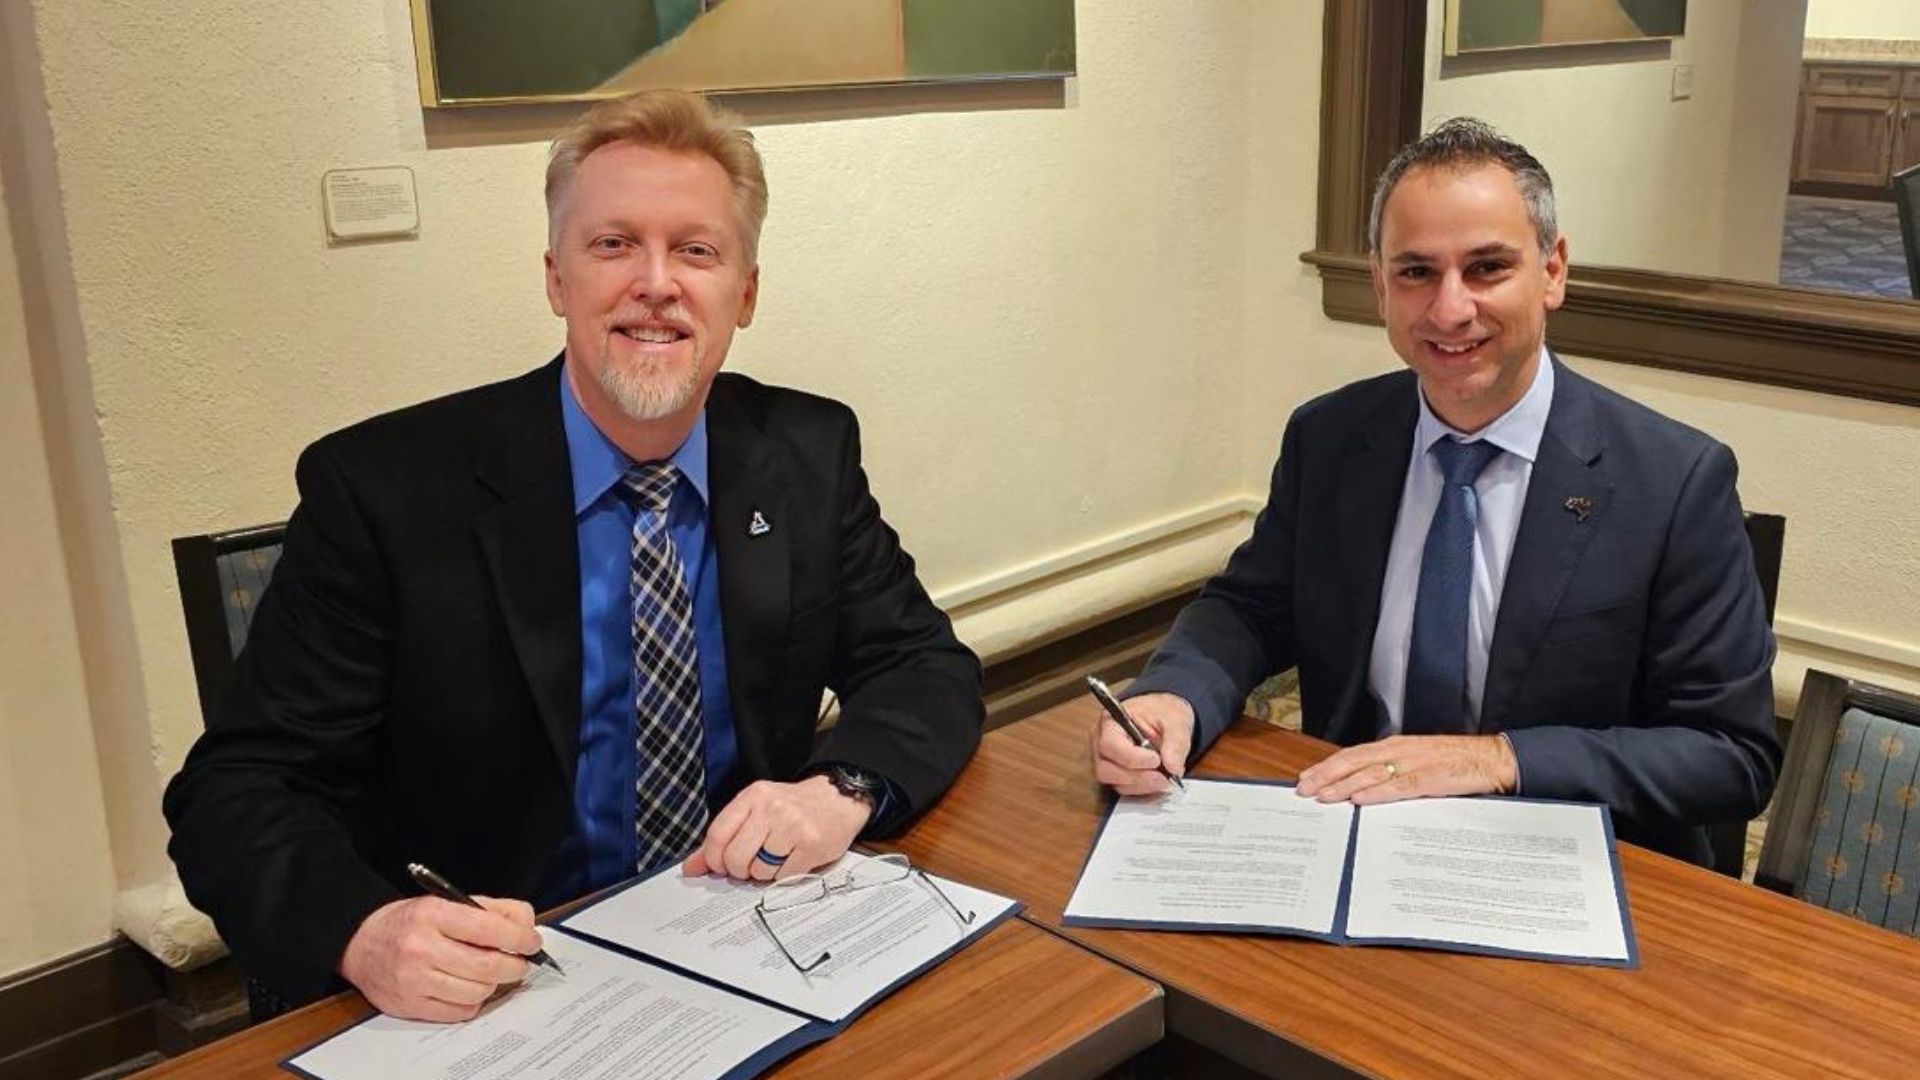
<point>1859,124</point>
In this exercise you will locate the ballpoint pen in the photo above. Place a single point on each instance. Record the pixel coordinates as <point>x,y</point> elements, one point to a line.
<point>1112,704</point>
<point>447,890</point>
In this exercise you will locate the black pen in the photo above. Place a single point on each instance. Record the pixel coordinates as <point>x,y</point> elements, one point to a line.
<point>1112,704</point>
<point>447,890</point>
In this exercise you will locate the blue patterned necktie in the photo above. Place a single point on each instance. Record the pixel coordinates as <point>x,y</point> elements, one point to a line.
<point>1436,701</point>
<point>670,781</point>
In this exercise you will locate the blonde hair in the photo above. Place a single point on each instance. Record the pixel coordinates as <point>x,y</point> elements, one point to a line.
<point>673,120</point>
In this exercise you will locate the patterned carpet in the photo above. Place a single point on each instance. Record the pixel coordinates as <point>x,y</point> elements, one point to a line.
<point>1277,702</point>
<point>1843,245</point>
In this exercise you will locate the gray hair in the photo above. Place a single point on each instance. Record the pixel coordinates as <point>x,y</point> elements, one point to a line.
<point>1464,143</point>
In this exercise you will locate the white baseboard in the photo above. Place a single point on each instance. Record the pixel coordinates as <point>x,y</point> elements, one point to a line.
<point>1837,639</point>
<point>1035,602</point>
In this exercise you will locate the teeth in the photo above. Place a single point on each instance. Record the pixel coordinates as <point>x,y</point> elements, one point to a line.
<point>648,333</point>
<point>1454,350</point>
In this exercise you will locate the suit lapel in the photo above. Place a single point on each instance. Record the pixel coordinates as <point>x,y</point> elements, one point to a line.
<point>755,566</point>
<point>527,537</point>
<point>1372,477</point>
<point>1551,541</point>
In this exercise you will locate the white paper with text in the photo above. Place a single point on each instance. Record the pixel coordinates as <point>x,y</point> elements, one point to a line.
<point>876,936</point>
<point>1218,854</point>
<point>611,1017</point>
<point>1506,874</point>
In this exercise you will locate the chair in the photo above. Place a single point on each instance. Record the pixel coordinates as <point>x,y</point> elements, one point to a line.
<point>1845,820</point>
<point>1766,535</point>
<point>221,578</point>
<point>1906,195</point>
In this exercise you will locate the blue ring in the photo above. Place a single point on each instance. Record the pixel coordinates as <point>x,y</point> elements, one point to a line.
<point>768,857</point>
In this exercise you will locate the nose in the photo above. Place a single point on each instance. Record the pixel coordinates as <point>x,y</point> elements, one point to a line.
<point>1453,304</point>
<point>653,279</point>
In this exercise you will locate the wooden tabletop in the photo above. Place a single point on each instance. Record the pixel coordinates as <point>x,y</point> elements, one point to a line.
<point>1735,981</point>
<point>1019,1002</point>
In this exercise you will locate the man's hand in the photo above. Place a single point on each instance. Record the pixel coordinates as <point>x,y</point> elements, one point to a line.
<point>1412,767</point>
<point>809,823</point>
<point>1166,720</point>
<point>432,959</point>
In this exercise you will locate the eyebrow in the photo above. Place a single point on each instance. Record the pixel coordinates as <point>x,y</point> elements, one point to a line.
<point>1481,252</point>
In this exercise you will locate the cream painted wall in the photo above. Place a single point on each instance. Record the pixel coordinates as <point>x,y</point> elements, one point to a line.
<point>1695,186</point>
<point>56,874</point>
<point>1884,19</point>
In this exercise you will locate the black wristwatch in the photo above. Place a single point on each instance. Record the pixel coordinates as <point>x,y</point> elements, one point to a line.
<point>855,782</point>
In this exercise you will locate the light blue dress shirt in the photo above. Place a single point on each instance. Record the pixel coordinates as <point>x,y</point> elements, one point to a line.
<point>1502,493</point>
<point>603,796</point>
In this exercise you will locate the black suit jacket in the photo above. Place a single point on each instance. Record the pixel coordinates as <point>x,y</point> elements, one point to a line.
<point>410,688</point>
<point>1631,659</point>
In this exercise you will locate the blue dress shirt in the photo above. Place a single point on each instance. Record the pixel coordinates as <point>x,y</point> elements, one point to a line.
<point>604,848</point>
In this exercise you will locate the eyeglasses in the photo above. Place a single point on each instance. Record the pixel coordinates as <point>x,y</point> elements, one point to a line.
<point>803,889</point>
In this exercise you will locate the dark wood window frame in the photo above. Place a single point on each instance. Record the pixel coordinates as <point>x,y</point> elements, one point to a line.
<point>1372,73</point>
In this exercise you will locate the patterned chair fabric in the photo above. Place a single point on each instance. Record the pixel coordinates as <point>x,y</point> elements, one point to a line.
<point>243,577</point>
<point>1864,859</point>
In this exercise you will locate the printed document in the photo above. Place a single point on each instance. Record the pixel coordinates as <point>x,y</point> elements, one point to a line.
<point>874,937</point>
<point>734,1006</point>
<point>1219,854</point>
<point>1510,876</point>
<point>611,1017</point>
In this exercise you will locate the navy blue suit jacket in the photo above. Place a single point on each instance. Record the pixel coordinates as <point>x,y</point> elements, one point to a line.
<point>1631,657</point>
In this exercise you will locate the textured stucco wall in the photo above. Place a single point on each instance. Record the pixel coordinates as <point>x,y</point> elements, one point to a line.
<point>56,874</point>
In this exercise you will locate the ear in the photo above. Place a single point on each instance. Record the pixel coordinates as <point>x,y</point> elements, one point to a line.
<point>1556,268</point>
<point>1379,278</point>
<point>553,285</point>
<point>750,296</point>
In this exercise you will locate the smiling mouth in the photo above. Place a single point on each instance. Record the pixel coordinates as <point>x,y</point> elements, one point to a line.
<point>1450,349</point>
<point>652,335</point>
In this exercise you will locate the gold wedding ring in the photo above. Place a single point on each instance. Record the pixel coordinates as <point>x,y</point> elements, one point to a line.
<point>1392,770</point>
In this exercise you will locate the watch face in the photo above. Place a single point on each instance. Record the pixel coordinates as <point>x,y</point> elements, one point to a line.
<point>853,781</point>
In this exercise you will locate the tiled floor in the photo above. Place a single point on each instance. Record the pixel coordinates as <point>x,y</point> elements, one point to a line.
<point>1277,702</point>
<point>1844,245</point>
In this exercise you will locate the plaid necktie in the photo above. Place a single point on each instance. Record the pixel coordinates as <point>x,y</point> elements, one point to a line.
<point>670,782</point>
<point>1436,701</point>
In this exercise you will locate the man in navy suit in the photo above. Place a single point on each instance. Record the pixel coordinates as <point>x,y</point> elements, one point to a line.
<point>1494,575</point>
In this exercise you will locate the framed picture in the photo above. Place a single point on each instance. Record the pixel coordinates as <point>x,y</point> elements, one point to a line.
<point>486,52</point>
<point>1484,25</point>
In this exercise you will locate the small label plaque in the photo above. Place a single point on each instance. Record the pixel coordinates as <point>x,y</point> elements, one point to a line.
<point>362,204</point>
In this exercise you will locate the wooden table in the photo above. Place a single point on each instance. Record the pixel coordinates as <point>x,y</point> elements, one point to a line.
<point>1019,1002</point>
<point>1735,981</point>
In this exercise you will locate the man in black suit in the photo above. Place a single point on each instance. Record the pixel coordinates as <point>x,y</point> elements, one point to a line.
<point>548,633</point>
<point>1492,574</point>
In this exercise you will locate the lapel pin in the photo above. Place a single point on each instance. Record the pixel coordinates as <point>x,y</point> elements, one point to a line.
<point>758,526</point>
<point>1579,506</point>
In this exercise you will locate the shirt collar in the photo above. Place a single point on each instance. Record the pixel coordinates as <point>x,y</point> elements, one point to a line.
<point>1518,430</point>
<point>598,464</point>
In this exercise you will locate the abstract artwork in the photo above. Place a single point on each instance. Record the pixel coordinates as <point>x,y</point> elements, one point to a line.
<point>1483,25</point>
<point>479,52</point>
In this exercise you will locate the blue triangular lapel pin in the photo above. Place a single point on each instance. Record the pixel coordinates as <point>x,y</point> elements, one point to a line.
<point>758,526</point>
